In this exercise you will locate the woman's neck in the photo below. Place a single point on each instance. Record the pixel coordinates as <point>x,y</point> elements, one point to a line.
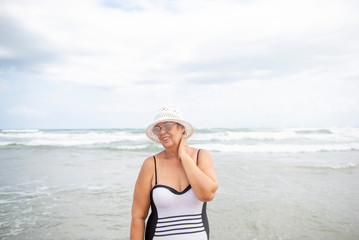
<point>172,153</point>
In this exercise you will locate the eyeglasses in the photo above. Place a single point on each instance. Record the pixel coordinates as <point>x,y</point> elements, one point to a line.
<point>167,127</point>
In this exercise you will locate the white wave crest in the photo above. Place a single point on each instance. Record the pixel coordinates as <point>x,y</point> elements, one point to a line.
<point>19,130</point>
<point>68,138</point>
<point>280,134</point>
<point>279,148</point>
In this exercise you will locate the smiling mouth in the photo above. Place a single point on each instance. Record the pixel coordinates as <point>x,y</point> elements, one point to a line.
<point>165,138</point>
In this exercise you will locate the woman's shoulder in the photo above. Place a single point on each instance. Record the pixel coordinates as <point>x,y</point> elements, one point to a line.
<point>203,151</point>
<point>159,155</point>
<point>204,156</point>
<point>200,151</point>
<point>148,164</point>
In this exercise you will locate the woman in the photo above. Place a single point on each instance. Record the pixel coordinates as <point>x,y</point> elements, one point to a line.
<point>176,183</point>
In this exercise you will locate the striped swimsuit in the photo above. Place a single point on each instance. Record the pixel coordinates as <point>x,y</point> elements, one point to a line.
<point>176,215</point>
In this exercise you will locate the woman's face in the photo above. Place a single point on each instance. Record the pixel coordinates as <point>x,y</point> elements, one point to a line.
<point>169,133</point>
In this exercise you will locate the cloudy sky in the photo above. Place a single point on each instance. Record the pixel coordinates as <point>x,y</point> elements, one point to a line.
<point>226,63</point>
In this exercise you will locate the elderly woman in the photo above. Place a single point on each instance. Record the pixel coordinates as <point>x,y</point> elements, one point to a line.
<point>177,183</point>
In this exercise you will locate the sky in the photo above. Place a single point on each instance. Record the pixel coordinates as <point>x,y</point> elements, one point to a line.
<point>225,63</point>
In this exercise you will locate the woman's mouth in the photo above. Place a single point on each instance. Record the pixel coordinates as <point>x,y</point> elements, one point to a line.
<point>165,138</point>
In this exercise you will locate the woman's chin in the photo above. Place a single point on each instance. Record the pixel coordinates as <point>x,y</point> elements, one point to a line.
<point>168,143</point>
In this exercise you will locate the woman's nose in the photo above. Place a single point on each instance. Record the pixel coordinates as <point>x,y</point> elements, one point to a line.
<point>162,129</point>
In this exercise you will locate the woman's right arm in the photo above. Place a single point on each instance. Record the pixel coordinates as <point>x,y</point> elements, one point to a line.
<point>141,199</point>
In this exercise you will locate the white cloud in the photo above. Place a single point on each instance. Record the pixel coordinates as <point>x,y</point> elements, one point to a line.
<point>110,47</point>
<point>26,111</point>
<point>248,59</point>
<point>6,53</point>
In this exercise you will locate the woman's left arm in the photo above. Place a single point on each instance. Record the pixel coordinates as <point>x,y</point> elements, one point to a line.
<point>203,177</point>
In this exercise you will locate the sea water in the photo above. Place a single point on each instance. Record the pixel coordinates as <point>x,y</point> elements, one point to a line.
<point>274,183</point>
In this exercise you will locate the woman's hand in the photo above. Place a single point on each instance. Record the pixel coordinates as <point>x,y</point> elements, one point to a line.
<point>201,175</point>
<point>183,148</point>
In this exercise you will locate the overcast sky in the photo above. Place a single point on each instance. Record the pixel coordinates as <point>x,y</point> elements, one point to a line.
<point>113,63</point>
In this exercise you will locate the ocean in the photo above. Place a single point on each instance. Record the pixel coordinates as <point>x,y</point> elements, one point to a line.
<point>287,183</point>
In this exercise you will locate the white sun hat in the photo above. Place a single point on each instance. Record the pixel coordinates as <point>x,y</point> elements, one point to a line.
<point>169,114</point>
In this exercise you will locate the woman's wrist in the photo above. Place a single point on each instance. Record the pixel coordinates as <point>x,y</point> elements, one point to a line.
<point>186,158</point>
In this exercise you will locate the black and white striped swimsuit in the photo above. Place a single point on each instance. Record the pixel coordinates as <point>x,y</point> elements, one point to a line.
<point>176,215</point>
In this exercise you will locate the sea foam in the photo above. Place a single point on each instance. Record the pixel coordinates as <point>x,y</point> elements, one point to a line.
<point>223,140</point>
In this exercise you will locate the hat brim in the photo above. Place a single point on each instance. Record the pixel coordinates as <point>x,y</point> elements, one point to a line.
<point>188,128</point>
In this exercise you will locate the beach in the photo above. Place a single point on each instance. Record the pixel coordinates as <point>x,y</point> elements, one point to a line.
<point>274,183</point>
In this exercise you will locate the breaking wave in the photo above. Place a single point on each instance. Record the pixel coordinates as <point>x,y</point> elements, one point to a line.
<point>222,140</point>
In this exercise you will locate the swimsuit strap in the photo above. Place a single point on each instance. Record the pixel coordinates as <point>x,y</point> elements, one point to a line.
<point>198,155</point>
<point>154,158</point>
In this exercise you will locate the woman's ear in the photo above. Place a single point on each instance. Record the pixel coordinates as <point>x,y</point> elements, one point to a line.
<point>183,130</point>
